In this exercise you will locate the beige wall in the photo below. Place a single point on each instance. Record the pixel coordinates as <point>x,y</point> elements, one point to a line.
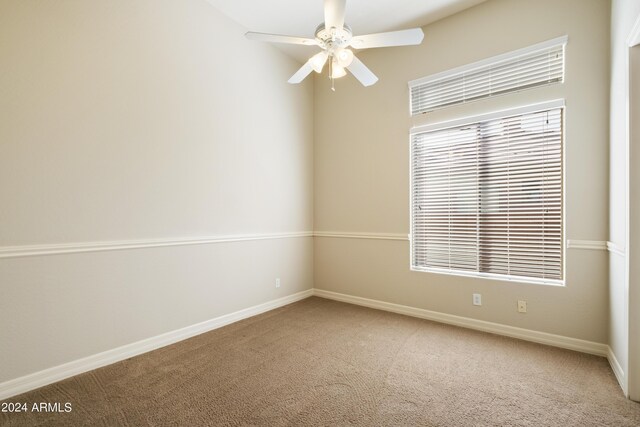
<point>135,120</point>
<point>362,177</point>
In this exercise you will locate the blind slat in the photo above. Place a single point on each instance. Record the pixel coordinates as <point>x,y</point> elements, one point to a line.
<point>540,67</point>
<point>487,197</point>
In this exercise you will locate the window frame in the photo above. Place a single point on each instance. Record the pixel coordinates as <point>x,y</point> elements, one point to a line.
<point>468,120</point>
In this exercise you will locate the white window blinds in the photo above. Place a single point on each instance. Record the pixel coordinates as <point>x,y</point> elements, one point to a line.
<point>537,65</point>
<point>486,197</point>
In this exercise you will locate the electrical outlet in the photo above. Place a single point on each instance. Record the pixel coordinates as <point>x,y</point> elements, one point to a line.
<point>477,299</point>
<point>522,306</point>
<point>277,282</point>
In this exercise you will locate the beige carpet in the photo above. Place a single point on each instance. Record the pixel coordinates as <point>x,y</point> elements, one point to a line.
<point>319,362</point>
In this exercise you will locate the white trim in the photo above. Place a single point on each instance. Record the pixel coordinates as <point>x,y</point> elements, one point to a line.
<point>529,108</point>
<point>564,191</point>
<point>70,248</point>
<point>466,322</point>
<point>634,34</point>
<point>617,370</point>
<point>631,292</point>
<point>358,235</point>
<point>57,373</point>
<point>490,276</point>
<point>627,203</point>
<point>560,341</point>
<point>615,249</point>
<point>494,59</point>
<point>596,245</point>
<point>599,245</point>
<point>48,376</point>
<point>473,120</point>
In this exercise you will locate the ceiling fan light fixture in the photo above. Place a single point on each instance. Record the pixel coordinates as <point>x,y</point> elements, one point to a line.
<point>318,60</point>
<point>337,70</point>
<point>344,57</point>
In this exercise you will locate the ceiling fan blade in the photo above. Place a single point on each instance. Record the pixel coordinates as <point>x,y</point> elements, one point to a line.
<point>277,38</point>
<point>303,72</point>
<point>361,72</point>
<point>334,11</point>
<point>392,38</point>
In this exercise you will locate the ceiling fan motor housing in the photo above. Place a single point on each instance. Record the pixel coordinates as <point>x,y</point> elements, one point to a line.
<point>333,38</point>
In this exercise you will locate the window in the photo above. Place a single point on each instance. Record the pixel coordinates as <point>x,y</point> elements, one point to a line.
<point>487,195</point>
<point>538,65</point>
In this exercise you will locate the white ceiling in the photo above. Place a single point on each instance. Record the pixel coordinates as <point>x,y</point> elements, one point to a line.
<point>301,17</point>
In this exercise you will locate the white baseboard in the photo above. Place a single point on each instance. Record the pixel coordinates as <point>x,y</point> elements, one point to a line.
<point>480,325</point>
<point>583,346</point>
<point>42,378</point>
<point>617,370</point>
<point>39,379</point>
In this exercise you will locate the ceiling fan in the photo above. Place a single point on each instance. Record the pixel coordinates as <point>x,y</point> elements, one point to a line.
<point>334,37</point>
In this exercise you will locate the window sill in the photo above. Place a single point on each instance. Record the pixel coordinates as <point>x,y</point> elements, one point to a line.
<point>513,279</point>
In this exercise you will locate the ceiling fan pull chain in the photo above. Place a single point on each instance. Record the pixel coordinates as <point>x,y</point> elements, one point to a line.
<point>331,74</point>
